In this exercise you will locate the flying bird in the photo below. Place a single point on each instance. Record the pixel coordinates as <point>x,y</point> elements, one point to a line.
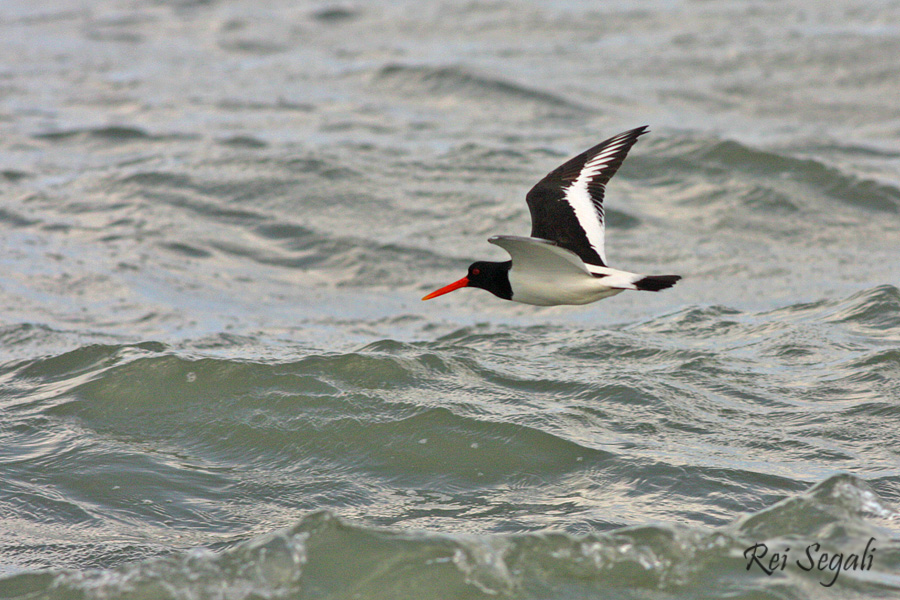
<point>564,260</point>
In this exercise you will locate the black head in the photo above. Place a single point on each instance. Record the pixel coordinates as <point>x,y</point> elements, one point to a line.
<point>490,276</point>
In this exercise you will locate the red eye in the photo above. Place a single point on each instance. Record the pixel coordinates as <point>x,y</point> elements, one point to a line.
<point>476,271</point>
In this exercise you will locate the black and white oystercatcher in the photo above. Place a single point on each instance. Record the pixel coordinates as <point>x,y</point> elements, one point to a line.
<point>564,262</point>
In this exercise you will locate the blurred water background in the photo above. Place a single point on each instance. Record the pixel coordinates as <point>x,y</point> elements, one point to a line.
<point>218,381</point>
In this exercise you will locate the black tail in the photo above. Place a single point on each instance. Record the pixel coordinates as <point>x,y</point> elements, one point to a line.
<point>654,283</point>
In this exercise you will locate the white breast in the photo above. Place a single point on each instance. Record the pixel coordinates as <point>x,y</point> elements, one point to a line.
<point>544,274</point>
<point>551,289</point>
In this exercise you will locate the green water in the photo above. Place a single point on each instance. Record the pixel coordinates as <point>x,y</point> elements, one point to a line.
<point>217,379</point>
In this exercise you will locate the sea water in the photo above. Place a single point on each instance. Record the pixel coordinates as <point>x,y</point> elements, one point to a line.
<point>218,380</point>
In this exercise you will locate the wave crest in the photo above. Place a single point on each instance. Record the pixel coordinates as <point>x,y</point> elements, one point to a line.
<point>325,556</point>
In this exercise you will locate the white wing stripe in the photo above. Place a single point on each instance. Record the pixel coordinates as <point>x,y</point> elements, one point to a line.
<point>607,153</point>
<point>598,163</point>
<point>588,214</point>
<point>578,198</point>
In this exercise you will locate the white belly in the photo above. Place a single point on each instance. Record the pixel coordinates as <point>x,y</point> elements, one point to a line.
<point>554,289</point>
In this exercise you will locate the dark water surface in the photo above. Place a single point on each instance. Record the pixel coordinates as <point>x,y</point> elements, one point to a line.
<point>217,379</point>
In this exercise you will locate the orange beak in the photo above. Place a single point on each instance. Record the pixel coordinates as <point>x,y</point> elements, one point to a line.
<point>448,288</point>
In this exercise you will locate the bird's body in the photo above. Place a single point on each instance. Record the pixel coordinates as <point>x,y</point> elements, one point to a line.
<point>552,291</point>
<point>564,260</point>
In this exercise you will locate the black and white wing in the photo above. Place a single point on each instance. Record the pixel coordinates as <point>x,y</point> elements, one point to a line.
<point>567,205</point>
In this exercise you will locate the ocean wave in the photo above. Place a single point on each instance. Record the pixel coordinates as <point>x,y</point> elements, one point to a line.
<point>764,179</point>
<point>324,555</point>
<point>827,179</point>
<point>458,82</point>
<point>470,431</point>
<point>109,134</point>
<point>875,309</point>
<point>335,406</point>
<point>267,234</point>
